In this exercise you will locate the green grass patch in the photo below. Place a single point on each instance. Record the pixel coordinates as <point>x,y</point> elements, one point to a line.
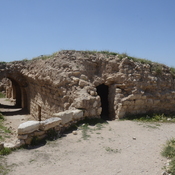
<point>87,126</point>
<point>156,68</point>
<point>5,151</point>
<point>4,131</point>
<point>4,170</point>
<point>172,69</point>
<point>1,117</point>
<point>4,167</point>
<point>169,152</point>
<point>152,118</point>
<point>2,62</point>
<point>111,150</point>
<point>45,57</point>
<point>2,95</point>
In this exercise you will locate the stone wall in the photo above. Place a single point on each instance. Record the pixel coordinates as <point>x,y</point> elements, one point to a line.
<point>69,80</point>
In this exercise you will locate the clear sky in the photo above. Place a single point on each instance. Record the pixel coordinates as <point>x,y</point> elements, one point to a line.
<point>141,28</point>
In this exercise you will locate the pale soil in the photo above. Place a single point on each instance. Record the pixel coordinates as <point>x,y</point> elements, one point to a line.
<point>13,118</point>
<point>119,148</point>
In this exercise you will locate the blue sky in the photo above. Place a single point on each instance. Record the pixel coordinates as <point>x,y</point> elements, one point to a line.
<point>141,28</point>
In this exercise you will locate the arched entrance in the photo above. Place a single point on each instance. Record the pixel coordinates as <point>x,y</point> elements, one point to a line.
<point>103,91</point>
<point>19,94</point>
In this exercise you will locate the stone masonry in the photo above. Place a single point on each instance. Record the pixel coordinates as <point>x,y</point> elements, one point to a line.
<point>69,81</point>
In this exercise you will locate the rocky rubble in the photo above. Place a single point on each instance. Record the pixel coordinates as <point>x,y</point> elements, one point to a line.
<point>69,81</point>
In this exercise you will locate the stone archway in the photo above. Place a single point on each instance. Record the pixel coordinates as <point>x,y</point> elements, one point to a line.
<point>18,93</point>
<point>103,92</point>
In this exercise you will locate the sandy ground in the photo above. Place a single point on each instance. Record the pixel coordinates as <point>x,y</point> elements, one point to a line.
<point>13,118</point>
<point>117,148</point>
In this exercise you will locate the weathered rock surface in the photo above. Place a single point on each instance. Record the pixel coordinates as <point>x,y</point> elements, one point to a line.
<point>50,123</point>
<point>28,127</point>
<point>69,80</point>
<point>66,116</point>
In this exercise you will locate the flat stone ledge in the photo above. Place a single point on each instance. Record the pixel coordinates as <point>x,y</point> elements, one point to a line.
<point>65,116</point>
<point>28,127</point>
<point>77,114</point>
<point>69,115</point>
<point>50,123</point>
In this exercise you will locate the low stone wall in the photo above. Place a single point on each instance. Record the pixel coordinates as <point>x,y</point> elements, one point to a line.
<point>31,130</point>
<point>37,130</point>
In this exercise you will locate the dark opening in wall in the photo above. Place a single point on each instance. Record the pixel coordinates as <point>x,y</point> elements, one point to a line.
<point>103,91</point>
<point>39,113</point>
<point>16,93</point>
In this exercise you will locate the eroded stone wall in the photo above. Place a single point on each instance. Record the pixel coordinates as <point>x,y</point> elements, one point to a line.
<point>69,81</point>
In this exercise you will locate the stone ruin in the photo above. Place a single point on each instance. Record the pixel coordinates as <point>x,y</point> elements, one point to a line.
<point>99,84</point>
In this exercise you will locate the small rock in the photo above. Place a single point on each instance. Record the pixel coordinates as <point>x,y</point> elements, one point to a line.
<point>19,143</point>
<point>134,138</point>
<point>74,133</point>
<point>9,145</point>
<point>165,173</point>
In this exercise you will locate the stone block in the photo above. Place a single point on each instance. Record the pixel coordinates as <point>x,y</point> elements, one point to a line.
<point>99,111</point>
<point>50,123</point>
<point>41,137</point>
<point>77,114</point>
<point>28,127</point>
<point>84,77</point>
<point>95,104</point>
<point>150,101</point>
<point>19,143</point>
<point>38,133</point>
<point>28,140</point>
<point>121,114</point>
<point>23,137</point>
<point>9,145</point>
<point>83,83</point>
<point>128,103</point>
<point>65,116</point>
<point>139,102</point>
<point>156,101</point>
<point>93,112</point>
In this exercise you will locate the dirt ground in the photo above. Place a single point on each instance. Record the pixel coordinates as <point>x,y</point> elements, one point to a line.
<point>115,148</point>
<point>13,118</point>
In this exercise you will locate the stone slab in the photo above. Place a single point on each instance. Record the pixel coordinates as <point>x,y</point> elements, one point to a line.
<point>77,114</point>
<point>50,123</point>
<point>28,127</point>
<point>65,116</point>
<point>9,145</point>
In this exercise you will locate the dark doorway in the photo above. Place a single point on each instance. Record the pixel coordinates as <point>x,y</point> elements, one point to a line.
<point>103,91</point>
<point>16,93</point>
<point>39,113</point>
